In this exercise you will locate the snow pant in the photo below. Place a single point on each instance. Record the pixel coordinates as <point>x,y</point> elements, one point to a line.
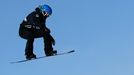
<point>35,32</point>
<point>47,45</point>
<point>48,49</point>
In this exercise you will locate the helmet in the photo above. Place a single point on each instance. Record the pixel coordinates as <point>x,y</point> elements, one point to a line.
<point>45,8</point>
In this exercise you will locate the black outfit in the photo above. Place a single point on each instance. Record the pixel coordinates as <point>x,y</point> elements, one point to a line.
<point>33,26</point>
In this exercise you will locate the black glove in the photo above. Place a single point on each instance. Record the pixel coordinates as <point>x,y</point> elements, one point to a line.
<point>47,31</point>
<point>52,40</point>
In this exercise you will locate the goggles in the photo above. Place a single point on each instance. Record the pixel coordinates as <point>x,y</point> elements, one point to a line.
<point>45,14</point>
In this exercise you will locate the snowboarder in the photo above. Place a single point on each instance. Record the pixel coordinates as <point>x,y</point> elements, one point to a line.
<point>34,26</point>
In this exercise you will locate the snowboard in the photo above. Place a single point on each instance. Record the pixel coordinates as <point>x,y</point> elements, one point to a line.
<point>43,57</point>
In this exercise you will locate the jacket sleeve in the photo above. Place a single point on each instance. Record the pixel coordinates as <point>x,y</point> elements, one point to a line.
<point>30,19</point>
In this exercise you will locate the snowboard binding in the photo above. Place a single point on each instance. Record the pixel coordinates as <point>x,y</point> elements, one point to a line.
<point>30,56</point>
<point>51,53</point>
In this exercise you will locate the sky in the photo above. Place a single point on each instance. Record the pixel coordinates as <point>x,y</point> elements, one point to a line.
<point>100,31</point>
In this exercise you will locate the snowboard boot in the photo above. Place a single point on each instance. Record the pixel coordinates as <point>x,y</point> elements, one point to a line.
<point>54,52</point>
<point>30,56</point>
<point>51,53</point>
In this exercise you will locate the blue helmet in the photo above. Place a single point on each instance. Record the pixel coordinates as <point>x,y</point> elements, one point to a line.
<point>45,8</point>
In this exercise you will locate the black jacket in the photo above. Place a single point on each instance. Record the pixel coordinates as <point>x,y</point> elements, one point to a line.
<point>33,25</point>
<point>35,18</point>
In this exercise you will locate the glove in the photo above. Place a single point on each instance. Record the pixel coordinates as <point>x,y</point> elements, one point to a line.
<point>52,40</point>
<point>47,31</point>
